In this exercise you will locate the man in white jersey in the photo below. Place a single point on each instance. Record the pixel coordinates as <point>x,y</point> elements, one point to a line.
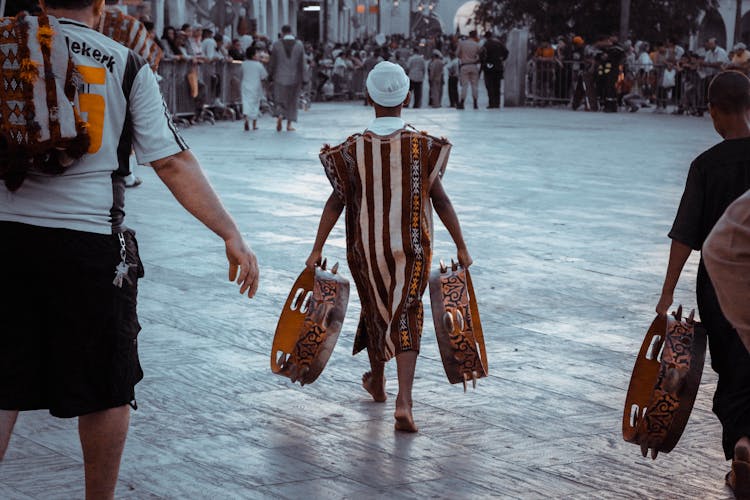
<point>68,335</point>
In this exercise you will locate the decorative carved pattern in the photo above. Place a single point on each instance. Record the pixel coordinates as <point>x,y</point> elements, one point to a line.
<point>310,324</point>
<point>662,391</point>
<point>39,125</point>
<point>457,325</point>
<point>131,33</point>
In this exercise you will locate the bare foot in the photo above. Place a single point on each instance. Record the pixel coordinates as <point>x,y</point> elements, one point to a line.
<point>377,391</point>
<point>404,418</point>
<point>739,478</point>
<point>290,129</point>
<point>278,125</point>
<point>742,450</point>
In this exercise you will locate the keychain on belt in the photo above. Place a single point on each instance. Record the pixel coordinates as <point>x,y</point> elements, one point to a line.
<point>121,271</point>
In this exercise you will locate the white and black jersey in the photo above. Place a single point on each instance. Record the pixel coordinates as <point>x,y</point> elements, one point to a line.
<point>121,102</point>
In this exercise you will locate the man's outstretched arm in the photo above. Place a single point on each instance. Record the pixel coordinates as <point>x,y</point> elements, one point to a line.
<point>185,179</point>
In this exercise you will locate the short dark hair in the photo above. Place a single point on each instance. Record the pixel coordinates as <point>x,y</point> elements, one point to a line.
<point>250,52</point>
<point>68,4</point>
<point>286,29</point>
<point>729,92</point>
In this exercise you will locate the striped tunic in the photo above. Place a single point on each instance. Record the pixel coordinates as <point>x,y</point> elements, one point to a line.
<point>384,183</point>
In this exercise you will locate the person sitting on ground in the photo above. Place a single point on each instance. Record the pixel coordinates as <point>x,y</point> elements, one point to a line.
<point>717,178</point>
<point>392,185</point>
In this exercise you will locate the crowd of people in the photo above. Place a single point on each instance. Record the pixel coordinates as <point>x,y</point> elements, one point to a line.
<point>72,347</point>
<point>608,74</point>
<point>604,74</point>
<point>447,64</point>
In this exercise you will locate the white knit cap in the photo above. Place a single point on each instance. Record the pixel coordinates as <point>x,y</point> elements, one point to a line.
<point>387,84</point>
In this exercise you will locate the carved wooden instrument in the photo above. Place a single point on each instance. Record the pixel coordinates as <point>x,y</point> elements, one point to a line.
<point>664,383</point>
<point>457,324</point>
<point>310,324</point>
<point>131,33</point>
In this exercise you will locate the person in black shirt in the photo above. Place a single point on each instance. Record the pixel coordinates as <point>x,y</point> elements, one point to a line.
<point>716,178</point>
<point>493,56</point>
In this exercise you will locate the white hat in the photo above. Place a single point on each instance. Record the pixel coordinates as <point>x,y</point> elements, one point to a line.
<point>387,84</point>
<point>740,46</point>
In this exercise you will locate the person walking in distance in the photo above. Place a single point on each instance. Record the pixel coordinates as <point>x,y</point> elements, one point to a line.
<point>452,69</point>
<point>387,180</point>
<point>715,180</point>
<point>286,70</point>
<point>435,70</point>
<point>493,54</point>
<point>416,70</point>
<point>468,57</point>
<point>68,341</point>
<point>253,74</point>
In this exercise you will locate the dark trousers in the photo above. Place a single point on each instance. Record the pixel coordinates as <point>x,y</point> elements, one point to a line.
<point>416,91</point>
<point>731,361</point>
<point>453,90</point>
<point>492,81</point>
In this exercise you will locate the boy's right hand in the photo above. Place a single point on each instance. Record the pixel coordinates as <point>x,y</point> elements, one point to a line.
<point>314,259</point>
<point>464,258</point>
<point>665,301</point>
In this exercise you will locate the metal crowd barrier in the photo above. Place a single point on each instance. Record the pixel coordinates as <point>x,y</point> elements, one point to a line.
<point>556,82</point>
<point>218,83</point>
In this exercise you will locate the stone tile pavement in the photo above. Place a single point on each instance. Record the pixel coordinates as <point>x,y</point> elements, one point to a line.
<point>566,215</point>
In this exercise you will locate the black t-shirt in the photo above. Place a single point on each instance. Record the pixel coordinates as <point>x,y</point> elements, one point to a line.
<point>716,178</point>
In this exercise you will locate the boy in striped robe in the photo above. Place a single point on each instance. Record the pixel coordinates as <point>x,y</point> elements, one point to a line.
<point>388,179</point>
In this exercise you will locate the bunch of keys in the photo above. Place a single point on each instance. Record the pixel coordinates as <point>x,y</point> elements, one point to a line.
<point>121,271</point>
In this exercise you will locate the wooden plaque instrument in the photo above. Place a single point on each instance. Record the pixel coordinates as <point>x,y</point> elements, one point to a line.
<point>664,383</point>
<point>310,324</point>
<point>131,33</point>
<point>457,324</point>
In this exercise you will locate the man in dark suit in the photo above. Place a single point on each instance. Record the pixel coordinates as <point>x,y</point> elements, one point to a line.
<point>286,69</point>
<point>494,54</point>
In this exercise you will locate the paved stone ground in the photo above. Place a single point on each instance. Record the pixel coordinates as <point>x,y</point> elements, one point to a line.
<point>566,215</point>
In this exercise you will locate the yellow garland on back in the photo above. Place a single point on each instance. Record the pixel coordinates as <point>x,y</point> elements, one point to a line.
<point>44,35</point>
<point>28,71</point>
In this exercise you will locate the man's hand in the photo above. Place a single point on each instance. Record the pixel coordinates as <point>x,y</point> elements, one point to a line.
<point>464,258</point>
<point>314,259</point>
<point>665,301</point>
<point>243,265</point>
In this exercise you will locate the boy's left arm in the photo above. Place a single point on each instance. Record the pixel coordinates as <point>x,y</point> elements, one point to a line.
<point>447,214</point>
<point>331,213</point>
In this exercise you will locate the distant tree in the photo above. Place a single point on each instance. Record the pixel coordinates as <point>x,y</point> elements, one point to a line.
<point>649,19</point>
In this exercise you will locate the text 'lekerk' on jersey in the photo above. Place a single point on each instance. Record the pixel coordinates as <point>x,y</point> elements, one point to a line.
<point>120,100</point>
